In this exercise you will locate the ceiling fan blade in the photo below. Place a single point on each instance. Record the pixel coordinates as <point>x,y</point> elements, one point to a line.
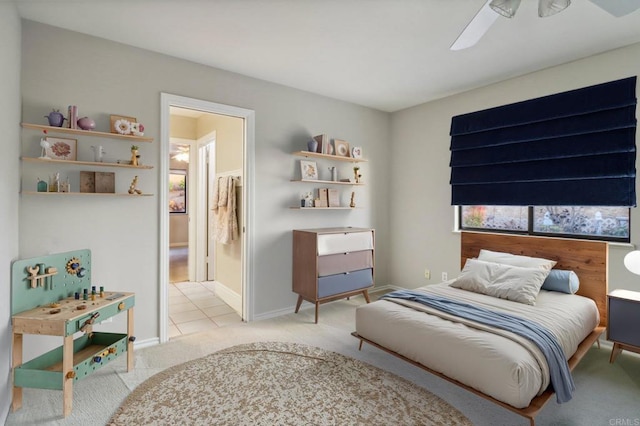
<point>618,8</point>
<point>476,28</point>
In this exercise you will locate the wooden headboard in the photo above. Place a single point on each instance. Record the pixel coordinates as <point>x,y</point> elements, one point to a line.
<point>588,259</point>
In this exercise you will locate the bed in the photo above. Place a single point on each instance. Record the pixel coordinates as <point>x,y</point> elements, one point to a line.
<point>488,363</point>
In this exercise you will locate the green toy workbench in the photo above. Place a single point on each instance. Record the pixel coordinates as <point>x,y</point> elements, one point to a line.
<point>53,295</point>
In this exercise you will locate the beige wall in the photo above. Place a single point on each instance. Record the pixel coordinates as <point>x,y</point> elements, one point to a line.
<point>122,232</point>
<point>229,154</point>
<point>183,127</point>
<point>9,123</point>
<point>421,216</point>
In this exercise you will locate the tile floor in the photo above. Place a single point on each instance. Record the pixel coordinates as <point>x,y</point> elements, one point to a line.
<point>194,306</point>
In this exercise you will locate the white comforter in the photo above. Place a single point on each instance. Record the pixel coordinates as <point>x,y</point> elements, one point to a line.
<point>499,364</point>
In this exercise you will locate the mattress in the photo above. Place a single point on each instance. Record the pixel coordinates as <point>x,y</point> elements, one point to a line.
<point>497,363</point>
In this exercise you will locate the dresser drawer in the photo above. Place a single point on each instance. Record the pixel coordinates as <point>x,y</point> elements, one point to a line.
<point>344,262</point>
<point>341,283</point>
<point>344,242</point>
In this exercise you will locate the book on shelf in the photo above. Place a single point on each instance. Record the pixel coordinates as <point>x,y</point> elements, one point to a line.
<point>323,144</point>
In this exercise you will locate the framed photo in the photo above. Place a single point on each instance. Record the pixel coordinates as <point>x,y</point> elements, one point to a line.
<point>61,148</point>
<point>342,148</point>
<point>308,170</point>
<point>356,152</point>
<point>121,124</point>
<point>177,191</point>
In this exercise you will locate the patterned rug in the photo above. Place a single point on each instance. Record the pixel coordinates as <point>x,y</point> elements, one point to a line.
<point>274,383</point>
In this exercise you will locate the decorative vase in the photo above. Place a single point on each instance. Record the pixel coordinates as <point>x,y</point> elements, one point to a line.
<point>312,145</point>
<point>85,123</point>
<point>134,157</point>
<point>56,119</point>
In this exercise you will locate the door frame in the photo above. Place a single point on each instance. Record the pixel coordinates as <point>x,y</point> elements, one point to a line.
<point>166,101</point>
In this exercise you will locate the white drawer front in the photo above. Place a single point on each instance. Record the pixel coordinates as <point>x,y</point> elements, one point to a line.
<point>344,243</point>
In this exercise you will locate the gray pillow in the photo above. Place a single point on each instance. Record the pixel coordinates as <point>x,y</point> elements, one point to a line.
<point>516,260</point>
<point>515,283</point>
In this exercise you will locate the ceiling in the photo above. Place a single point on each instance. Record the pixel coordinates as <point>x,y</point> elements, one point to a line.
<point>384,54</point>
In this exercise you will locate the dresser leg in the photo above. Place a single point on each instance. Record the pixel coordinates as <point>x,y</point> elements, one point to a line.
<point>365,293</point>
<point>317,307</point>
<point>615,352</point>
<point>298,304</point>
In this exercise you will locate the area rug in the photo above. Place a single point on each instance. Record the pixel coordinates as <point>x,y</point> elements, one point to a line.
<point>275,383</point>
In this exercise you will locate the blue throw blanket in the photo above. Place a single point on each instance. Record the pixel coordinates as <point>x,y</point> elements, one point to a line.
<point>560,375</point>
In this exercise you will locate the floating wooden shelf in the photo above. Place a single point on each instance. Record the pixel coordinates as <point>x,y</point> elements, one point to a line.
<point>83,163</point>
<point>86,132</point>
<point>323,208</point>
<point>326,181</point>
<point>310,154</point>
<point>109,194</point>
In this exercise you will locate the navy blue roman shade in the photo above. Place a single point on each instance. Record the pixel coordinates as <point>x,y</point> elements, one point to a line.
<point>571,148</point>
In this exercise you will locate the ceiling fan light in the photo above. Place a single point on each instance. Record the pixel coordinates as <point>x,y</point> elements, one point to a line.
<point>551,7</point>
<point>506,8</point>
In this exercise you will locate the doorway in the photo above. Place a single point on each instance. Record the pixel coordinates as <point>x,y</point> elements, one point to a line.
<point>211,267</point>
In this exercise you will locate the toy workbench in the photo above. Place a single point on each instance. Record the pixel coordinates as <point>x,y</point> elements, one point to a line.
<point>53,295</point>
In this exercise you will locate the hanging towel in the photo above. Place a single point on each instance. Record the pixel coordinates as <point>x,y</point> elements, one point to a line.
<point>224,207</point>
<point>220,193</point>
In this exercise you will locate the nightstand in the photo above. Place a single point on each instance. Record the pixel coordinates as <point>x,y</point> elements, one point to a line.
<point>623,328</point>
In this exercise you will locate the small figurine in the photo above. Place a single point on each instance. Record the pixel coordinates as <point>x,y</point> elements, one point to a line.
<point>134,155</point>
<point>356,172</point>
<point>353,200</point>
<point>133,187</point>
<point>45,145</point>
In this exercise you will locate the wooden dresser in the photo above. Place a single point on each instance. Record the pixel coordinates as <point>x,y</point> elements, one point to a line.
<point>332,263</point>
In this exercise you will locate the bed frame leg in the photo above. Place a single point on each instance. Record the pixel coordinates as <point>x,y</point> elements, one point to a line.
<point>598,342</point>
<point>360,345</point>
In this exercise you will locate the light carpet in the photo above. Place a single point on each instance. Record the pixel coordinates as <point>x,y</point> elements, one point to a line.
<point>278,383</point>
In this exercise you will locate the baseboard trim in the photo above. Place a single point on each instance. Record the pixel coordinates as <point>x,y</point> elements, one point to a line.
<point>141,344</point>
<point>230,297</point>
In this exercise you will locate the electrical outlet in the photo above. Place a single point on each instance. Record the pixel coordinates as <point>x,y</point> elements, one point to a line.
<point>427,274</point>
<point>445,276</point>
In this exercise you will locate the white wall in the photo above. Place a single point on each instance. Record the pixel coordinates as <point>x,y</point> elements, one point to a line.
<point>421,216</point>
<point>102,77</point>
<point>9,123</point>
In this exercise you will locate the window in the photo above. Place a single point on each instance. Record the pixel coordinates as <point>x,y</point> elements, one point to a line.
<point>590,222</point>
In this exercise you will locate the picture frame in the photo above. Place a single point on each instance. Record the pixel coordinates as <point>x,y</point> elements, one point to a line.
<point>308,170</point>
<point>177,191</point>
<point>119,124</point>
<point>356,152</point>
<point>61,148</point>
<point>342,148</point>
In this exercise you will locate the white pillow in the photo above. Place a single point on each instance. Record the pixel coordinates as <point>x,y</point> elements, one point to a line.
<point>514,283</point>
<point>516,260</point>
